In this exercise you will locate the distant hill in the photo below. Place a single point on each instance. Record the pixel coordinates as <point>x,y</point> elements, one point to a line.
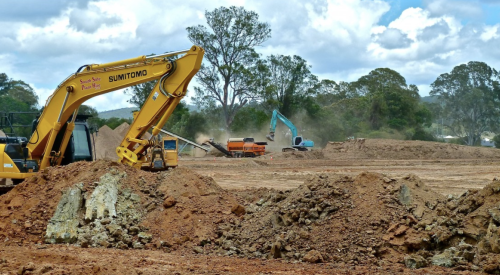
<point>119,113</point>
<point>429,99</point>
<point>127,112</point>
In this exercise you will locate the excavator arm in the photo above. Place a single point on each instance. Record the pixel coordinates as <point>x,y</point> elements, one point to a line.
<point>93,80</point>
<point>277,115</point>
<point>160,104</point>
<point>297,141</point>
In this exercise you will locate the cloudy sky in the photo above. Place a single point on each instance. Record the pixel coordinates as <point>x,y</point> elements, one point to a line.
<point>42,42</point>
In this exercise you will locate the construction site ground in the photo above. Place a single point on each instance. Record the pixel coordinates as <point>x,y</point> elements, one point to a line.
<point>218,215</point>
<point>450,176</point>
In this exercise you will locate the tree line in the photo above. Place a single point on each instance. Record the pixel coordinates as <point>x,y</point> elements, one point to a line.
<point>237,90</point>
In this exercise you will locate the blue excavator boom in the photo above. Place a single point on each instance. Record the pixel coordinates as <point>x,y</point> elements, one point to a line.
<point>297,141</point>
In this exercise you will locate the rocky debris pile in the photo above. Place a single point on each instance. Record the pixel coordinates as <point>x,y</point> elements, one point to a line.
<point>370,219</point>
<point>329,218</point>
<point>105,204</point>
<point>110,218</point>
<point>404,149</point>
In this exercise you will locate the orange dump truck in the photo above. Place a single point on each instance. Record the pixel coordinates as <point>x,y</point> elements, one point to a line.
<point>245,147</point>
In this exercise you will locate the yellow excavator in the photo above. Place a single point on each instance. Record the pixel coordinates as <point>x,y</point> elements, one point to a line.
<point>54,129</point>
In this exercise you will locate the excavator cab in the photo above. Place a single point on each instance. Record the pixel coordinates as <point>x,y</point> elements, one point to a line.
<point>14,156</point>
<point>297,141</point>
<point>162,155</point>
<point>170,145</point>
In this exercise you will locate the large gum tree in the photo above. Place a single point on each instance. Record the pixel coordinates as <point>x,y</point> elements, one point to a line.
<point>470,96</point>
<point>229,73</point>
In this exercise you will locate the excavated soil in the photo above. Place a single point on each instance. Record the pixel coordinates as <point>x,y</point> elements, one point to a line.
<point>119,220</point>
<point>404,149</point>
<point>390,149</point>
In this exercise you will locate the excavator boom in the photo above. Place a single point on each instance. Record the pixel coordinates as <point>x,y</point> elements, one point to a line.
<point>297,141</point>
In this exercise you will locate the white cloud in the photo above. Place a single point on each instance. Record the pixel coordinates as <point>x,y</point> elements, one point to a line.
<point>342,40</point>
<point>393,39</point>
<point>42,93</point>
<point>491,32</point>
<point>463,9</point>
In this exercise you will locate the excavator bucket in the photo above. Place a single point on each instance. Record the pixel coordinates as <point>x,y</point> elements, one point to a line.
<point>270,136</point>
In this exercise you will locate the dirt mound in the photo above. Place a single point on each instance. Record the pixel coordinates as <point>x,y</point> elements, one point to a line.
<point>105,204</point>
<point>122,129</point>
<point>331,214</point>
<point>315,154</point>
<point>370,219</point>
<point>106,142</point>
<point>404,149</point>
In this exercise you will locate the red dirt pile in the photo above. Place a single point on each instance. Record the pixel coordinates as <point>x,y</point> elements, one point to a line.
<point>167,210</point>
<point>404,149</point>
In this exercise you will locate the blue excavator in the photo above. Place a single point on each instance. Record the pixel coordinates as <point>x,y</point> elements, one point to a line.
<point>298,142</point>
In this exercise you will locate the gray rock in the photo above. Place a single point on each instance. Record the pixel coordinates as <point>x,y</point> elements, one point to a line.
<point>445,259</point>
<point>227,244</point>
<point>105,221</point>
<point>144,237</point>
<point>135,198</point>
<point>63,226</point>
<point>133,230</point>
<point>415,261</point>
<point>405,195</point>
<point>115,230</point>
<point>121,245</point>
<point>127,239</point>
<point>137,245</point>
<point>313,214</point>
<point>102,202</point>
<point>495,214</point>
<point>313,256</point>
<point>198,249</point>
<point>99,238</point>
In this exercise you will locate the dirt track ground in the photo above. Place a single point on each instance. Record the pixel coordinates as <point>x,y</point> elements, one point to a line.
<point>444,176</point>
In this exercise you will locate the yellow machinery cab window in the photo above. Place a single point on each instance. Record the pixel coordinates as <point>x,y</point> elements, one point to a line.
<point>169,144</point>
